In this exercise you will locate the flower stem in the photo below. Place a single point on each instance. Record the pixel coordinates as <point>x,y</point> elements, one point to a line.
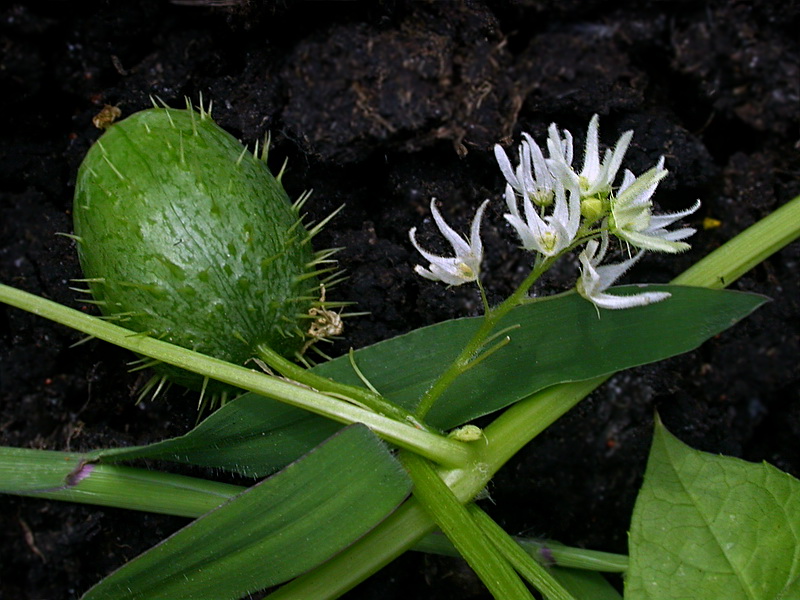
<point>471,351</point>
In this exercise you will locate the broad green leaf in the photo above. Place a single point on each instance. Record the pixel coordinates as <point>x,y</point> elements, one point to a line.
<point>252,435</point>
<point>558,339</point>
<point>791,591</point>
<point>255,436</point>
<point>273,531</point>
<point>708,526</point>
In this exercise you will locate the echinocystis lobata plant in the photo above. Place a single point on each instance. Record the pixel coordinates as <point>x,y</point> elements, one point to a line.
<point>219,261</point>
<point>186,236</point>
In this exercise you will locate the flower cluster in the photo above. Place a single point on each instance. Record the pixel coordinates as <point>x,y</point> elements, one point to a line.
<point>563,209</point>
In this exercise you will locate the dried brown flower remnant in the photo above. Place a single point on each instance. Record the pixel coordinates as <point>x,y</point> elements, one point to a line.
<point>106,117</point>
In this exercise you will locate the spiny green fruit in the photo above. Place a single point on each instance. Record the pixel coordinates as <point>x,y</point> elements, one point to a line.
<point>186,236</point>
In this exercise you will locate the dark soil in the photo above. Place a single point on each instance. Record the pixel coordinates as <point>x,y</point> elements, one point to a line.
<point>382,106</point>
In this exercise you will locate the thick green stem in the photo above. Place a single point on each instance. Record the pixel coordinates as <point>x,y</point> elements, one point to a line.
<point>145,490</point>
<point>455,520</point>
<point>404,435</point>
<point>403,528</point>
<point>526,566</point>
<point>752,246</point>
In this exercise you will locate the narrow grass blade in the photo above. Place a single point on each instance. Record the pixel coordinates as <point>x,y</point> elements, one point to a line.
<point>275,530</point>
<point>546,552</point>
<point>251,435</point>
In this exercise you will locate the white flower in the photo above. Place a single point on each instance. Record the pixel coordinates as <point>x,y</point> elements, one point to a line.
<point>551,234</point>
<point>632,218</point>
<point>466,264</point>
<point>595,279</point>
<point>596,178</point>
<point>532,179</point>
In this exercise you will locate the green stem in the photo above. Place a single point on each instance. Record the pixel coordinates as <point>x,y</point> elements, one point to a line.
<point>751,247</point>
<point>394,536</point>
<point>546,552</point>
<point>410,523</point>
<point>569,557</point>
<point>144,490</point>
<point>470,352</point>
<point>484,298</point>
<point>45,473</point>
<point>365,397</point>
<point>435,447</point>
<point>523,563</point>
<point>471,541</point>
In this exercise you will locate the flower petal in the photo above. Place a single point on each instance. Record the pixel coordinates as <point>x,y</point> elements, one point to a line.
<point>615,161</point>
<point>614,302</point>
<point>511,201</point>
<point>475,244</point>
<point>465,265</point>
<point>591,156</point>
<point>505,167</point>
<point>456,241</point>
<point>595,280</point>
<point>650,241</point>
<point>661,221</point>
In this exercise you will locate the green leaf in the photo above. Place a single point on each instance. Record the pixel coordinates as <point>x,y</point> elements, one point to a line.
<point>255,436</point>
<point>791,591</point>
<point>558,339</point>
<point>707,526</point>
<point>273,531</point>
<point>252,435</point>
